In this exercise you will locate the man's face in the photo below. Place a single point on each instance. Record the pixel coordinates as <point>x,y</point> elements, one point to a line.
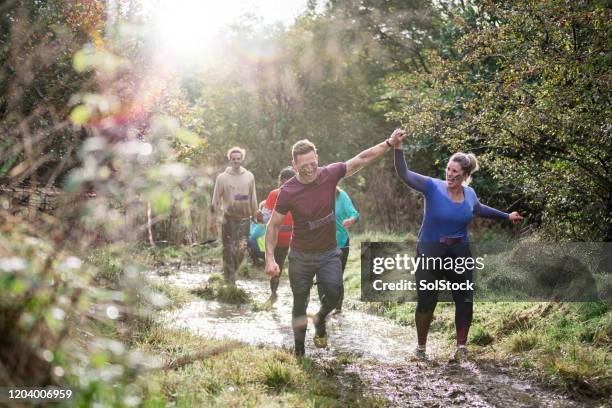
<point>236,160</point>
<point>306,165</point>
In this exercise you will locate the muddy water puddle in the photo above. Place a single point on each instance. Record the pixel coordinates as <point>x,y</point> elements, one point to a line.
<point>377,351</point>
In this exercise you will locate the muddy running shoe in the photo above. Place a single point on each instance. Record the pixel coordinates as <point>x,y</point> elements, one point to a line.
<point>419,353</point>
<point>320,341</point>
<point>461,354</point>
<point>299,350</point>
<point>320,338</point>
<point>267,305</point>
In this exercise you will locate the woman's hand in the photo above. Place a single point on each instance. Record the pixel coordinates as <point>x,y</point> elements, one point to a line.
<point>515,217</point>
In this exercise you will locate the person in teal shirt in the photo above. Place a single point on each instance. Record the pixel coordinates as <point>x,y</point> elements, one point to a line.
<point>346,215</point>
<point>256,242</point>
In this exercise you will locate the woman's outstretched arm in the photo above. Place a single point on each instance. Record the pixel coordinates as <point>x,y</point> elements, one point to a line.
<point>412,179</point>
<point>485,211</point>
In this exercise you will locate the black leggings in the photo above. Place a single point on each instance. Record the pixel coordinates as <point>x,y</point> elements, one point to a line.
<point>428,299</point>
<point>280,254</point>
<point>343,259</point>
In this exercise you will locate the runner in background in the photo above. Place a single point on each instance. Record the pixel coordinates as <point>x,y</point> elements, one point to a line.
<point>256,241</point>
<point>284,233</point>
<point>235,199</point>
<point>346,216</point>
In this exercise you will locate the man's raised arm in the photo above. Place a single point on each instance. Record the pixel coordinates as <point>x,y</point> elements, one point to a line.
<point>367,156</point>
<point>276,219</point>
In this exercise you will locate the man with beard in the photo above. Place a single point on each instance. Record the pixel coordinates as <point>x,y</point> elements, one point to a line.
<point>235,198</point>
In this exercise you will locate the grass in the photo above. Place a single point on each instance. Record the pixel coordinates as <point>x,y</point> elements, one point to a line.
<point>197,371</point>
<point>523,341</point>
<point>480,336</point>
<point>216,289</point>
<point>175,297</point>
<point>567,345</point>
<point>204,372</point>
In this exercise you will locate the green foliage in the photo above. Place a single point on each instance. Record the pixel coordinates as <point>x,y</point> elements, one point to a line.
<point>522,85</point>
<point>46,295</point>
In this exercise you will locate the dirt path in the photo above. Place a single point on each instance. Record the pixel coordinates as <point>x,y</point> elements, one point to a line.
<point>378,350</point>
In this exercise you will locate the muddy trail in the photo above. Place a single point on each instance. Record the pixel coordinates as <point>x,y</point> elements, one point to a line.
<point>376,353</point>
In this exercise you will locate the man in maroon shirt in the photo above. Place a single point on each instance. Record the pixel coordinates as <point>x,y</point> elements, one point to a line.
<point>310,196</point>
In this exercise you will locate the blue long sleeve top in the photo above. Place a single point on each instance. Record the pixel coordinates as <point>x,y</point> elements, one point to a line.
<point>443,217</point>
<point>344,211</point>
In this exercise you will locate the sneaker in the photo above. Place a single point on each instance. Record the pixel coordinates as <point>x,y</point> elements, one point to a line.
<point>320,341</point>
<point>461,354</point>
<point>420,354</point>
<point>320,338</point>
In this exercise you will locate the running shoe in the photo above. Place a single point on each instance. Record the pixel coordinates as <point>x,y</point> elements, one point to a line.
<point>299,349</point>
<point>320,338</point>
<point>420,354</point>
<point>461,354</point>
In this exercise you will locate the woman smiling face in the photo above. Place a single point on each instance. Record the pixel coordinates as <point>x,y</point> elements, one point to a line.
<point>455,176</point>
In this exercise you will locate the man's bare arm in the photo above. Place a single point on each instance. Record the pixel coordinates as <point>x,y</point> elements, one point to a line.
<point>271,268</point>
<point>369,155</point>
<point>276,219</point>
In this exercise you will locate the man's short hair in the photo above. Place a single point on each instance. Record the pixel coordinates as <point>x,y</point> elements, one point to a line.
<point>286,173</point>
<point>301,147</point>
<point>236,149</point>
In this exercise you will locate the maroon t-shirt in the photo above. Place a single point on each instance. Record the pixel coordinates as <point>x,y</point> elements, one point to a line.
<point>312,206</point>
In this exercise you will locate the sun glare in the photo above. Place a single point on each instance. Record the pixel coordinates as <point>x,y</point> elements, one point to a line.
<point>188,29</point>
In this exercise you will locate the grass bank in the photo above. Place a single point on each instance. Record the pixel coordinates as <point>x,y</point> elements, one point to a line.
<point>566,345</point>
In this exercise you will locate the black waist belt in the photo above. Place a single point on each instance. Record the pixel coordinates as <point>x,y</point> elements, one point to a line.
<point>331,217</point>
<point>451,240</point>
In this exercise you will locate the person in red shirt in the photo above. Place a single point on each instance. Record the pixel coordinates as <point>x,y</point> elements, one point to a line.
<point>284,232</point>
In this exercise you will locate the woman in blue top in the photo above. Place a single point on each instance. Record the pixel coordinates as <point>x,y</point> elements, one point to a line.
<point>346,215</point>
<point>449,207</point>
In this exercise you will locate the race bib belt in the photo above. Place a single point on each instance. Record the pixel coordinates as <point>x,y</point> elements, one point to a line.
<point>331,217</point>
